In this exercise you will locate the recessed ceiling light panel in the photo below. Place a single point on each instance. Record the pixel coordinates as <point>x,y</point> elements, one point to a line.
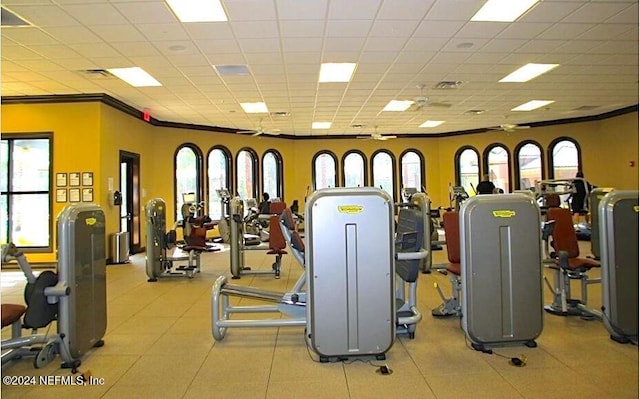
<point>320,125</point>
<point>432,123</point>
<point>198,10</point>
<point>231,70</point>
<point>527,73</point>
<point>255,108</point>
<point>135,76</point>
<point>531,105</point>
<point>398,105</point>
<point>502,10</point>
<point>336,72</point>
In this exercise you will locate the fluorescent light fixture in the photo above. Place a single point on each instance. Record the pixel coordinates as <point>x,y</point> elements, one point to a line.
<point>528,72</point>
<point>431,123</point>
<point>502,10</point>
<point>336,72</point>
<point>320,125</point>
<point>254,108</point>
<point>397,105</point>
<point>135,76</point>
<point>198,10</point>
<point>531,105</point>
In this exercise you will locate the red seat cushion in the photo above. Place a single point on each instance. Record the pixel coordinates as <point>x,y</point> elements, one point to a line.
<point>565,239</point>
<point>452,237</point>
<point>11,313</point>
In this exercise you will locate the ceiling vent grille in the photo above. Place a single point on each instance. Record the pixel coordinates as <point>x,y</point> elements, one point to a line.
<point>448,84</point>
<point>97,73</point>
<point>7,18</point>
<point>586,108</point>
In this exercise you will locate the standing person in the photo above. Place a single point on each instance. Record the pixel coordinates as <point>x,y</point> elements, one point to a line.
<point>485,186</point>
<point>263,208</point>
<point>580,198</point>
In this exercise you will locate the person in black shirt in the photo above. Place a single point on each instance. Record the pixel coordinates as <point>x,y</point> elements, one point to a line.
<point>580,198</point>
<point>485,186</point>
<point>263,208</point>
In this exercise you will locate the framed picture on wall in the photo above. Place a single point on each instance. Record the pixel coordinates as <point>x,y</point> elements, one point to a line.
<point>87,195</point>
<point>87,178</point>
<point>74,179</point>
<point>61,195</point>
<point>61,180</point>
<point>74,195</point>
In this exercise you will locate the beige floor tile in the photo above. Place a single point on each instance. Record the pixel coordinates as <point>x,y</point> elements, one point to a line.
<point>158,390</point>
<point>330,389</point>
<point>395,385</point>
<point>472,385</point>
<point>228,390</point>
<point>552,383</point>
<point>175,370</point>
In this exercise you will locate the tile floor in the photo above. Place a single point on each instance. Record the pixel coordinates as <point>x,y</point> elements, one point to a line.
<point>159,344</point>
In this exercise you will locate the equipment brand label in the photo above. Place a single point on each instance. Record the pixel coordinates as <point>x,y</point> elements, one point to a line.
<point>90,221</point>
<point>504,213</point>
<point>352,209</point>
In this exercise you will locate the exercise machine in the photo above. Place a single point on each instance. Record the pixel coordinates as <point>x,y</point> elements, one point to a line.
<point>291,304</point>
<point>74,295</point>
<point>595,197</point>
<point>185,260</point>
<point>618,213</point>
<point>501,270</point>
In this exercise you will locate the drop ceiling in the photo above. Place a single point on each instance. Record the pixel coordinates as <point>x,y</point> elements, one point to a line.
<point>399,46</point>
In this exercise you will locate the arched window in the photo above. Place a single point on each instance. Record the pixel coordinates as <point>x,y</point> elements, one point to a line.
<point>467,167</point>
<point>324,170</point>
<point>188,175</point>
<point>529,166</point>
<point>354,171</point>
<point>218,177</point>
<point>272,174</point>
<point>564,158</point>
<point>383,167</point>
<point>246,173</point>
<point>412,169</point>
<point>496,161</point>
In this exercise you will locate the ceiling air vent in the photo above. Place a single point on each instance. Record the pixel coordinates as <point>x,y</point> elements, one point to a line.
<point>97,73</point>
<point>280,114</point>
<point>586,108</point>
<point>232,70</point>
<point>448,84</point>
<point>474,112</point>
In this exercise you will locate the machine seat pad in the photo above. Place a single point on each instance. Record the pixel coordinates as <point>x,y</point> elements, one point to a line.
<point>575,264</point>
<point>11,313</point>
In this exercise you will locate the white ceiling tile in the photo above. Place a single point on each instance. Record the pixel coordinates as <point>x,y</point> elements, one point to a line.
<point>405,9</point>
<point>523,30</point>
<point>135,48</point>
<point>301,9</point>
<point>90,50</point>
<point>434,28</point>
<point>301,45</point>
<point>393,28</point>
<point>385,43</point>
<point>540,46</point>
<point>595,12</point>
<point>564,31</point>
<point>609,31</point>
<point>250,10</point>
<point>354,44</point>
<point>271,45</point>
<point>209,31</point>
<point>302,28</point>
<point>224,46</point>
<point>348,28</point>
<point>44,15</point>
<point>454,10</point>
<point>160,32</point>
<point>550,11</point>
<point>118,33</point>
<point>74,35</point>
<point>420,44</point>
<point>628,15</point>
<point>255,29</point>
<point>146,12</point>
<point>486,30</point>
<point>28,36</point>
<point>617,47</point>
<point>95,14</point>
<point>363,9</point>
<point>17,53</point>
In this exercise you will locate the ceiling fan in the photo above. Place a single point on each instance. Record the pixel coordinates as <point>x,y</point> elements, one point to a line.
<point>509,127</point>
<point>377,136</point>
<point>422,101</point>
<point>260,131</point>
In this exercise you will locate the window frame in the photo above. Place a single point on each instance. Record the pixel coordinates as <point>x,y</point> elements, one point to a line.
<point>199,176</point>
<point>254,175</point>
<point>516,162</point>
<point>456,160</point>
<point>11,137</point>
<point>551,147</point>
<point>279,173</point>
<point>313,166</point>
<point>423,177</point>
<point>228,164</point>
<point>485,159</point>
<point>365,172</point>
<point>394,171</point>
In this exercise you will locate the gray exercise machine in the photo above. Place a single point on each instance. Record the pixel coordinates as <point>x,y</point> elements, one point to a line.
<point>618,213</point>
<point>74,295</point>
<point>291,304</point>
<point>183,262</point>
<point>501,270</point>
<point>595,197</point>
<point>351,247</point>
<point>239,242</point>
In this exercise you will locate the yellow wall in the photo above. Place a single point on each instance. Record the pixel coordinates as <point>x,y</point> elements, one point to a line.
<point>89,136</point>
